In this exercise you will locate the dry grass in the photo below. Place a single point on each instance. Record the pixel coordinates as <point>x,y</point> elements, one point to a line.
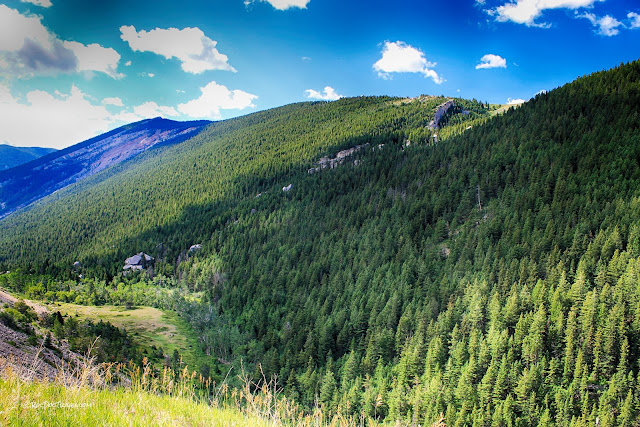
<point>87,394</point>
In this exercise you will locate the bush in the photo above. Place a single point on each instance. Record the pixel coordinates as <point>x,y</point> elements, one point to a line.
<point>7,319</point>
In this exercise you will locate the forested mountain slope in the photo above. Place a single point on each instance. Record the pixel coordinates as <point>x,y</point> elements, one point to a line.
<point>171,198</point>
<point>32,181</point>
<point>14,156</point>
<point>491,277</point>
<point>386,289</point>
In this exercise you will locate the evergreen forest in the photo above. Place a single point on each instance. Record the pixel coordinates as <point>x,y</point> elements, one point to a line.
<point>490,275</point>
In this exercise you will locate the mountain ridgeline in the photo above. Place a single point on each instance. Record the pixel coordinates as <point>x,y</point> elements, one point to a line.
<point>491,277</point>
<point>168,199</point>
<point>34,180</point>
<point>14,156</point>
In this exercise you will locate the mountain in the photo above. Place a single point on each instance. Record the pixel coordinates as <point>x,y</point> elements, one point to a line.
<point>173,193</point>
<point>32,181</point>
<point>488,276</point>
<point>13,156</point>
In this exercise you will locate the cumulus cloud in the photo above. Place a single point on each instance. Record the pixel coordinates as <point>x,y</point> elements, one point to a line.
<point>399,57</point>
<point>605,26</point>
<point>116,102</point>
<point>34,58</point>
<point>63,118</point>
<point>215,97</point>
<point>46,120</point>
<point>27,48</point>
<point>94,57</point>
<point>329,94</point>
<point>527,11</point>
<point>282,4</point>
<point>190,46</point>
<point>15,28</point>
<point>42,3</point>
<point>635,20</point>
<point>151,109</point>
<point>491,61</point>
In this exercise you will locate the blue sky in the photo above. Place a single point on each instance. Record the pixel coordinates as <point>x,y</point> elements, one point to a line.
<point>72,69</point>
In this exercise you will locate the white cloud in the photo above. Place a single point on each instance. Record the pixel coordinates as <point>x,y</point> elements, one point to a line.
<point>61,119</point>
<point>116,102</point>
<point>512,101</point>
<point>45,120</point>
<point>215,97</point>
<point>635,20</point>
<point>151,109</point>
<point>306,58</point>
<point>42,3</point>
<point>127,64</point>
<point>190,46</point>
<point>526,11</point>
<point>329,94</point>
<point>15,28</point>
<point>94,57</point>
<point>283,4</point>
<point>492,61</point>
<point>399,57</point>
<point>606,25</point>
<point>27,48</point>
<point>540,92</point>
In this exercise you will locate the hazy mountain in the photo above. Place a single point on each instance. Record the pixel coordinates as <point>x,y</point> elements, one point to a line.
<point>13,156</point>
<point>26,183</point>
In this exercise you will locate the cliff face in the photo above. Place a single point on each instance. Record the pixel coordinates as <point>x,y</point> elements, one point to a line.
<point>23,185</point>
<point>440,112</point>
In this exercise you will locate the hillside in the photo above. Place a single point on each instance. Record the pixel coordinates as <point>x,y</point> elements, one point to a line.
<point>170,199</point>
<point>59,404</point>
<point>24,184</point>
<point>13,156</point>
<point>490,277</point>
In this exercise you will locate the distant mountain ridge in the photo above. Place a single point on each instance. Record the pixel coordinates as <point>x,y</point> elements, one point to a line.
<point>11,156</point>
<point>26,183</point>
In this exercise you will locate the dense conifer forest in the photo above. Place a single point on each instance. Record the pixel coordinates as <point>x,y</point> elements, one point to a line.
<point>491,276</point>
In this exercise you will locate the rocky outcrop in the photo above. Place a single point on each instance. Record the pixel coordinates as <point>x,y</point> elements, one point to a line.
<point>138,262</point>
<point>341,157</point>
<point>441,111</point>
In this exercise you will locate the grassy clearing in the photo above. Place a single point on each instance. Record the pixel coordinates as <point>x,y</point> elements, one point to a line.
<point>147,325</point>
<point>502,108</point>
